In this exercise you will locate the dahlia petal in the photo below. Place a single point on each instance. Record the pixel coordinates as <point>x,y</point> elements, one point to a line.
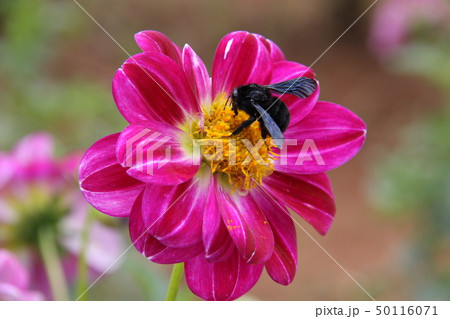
<point>14,279</point>
<point>153,153</point>
<point>328,137</point>
<point>11,270</point>
<point>131,103</point>
<point>286,70</point>
<point>150,247</point>
<point>225,280</point>
<point>33,157</point>
<point>274,50</point>
<point>154,41</point>
<point>151,86</point>
<point>216,240</point>
<point>34,147</point>
<point>197,75</point>
<point>104,182</point>
<point>12,293</point>
<point>7,168</point>
<point>282,265</point>
<point>173,214</point>
<point>247,226</point>
<point>240,59</point>
<point>310,196</point>
<point>103,248</point>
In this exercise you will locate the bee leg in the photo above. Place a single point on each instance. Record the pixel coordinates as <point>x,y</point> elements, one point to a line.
<point>235,110</point>
<point>243,125</point>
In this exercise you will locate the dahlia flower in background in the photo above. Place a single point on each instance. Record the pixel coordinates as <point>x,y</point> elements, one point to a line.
<point>14,279</point>
<point>394,22</point>
<point>41,211</point>
<point>224,213</point>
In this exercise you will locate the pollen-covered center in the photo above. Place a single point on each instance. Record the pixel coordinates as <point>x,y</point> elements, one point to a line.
<point>245,158</point>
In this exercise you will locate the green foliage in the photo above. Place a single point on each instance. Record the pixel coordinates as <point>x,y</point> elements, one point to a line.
<point>430,61</point>
<point>76,111</point>
<point>414,180</point>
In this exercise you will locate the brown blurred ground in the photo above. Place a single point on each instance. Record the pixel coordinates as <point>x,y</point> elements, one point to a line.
<point>364,243</point>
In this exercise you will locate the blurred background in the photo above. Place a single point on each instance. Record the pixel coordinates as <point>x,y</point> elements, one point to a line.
<point>392,68</point>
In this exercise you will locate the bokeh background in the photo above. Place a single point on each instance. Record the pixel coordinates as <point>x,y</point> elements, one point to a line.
<point>392,68</point>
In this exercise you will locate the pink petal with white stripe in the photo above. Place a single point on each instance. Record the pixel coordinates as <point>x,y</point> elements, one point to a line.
<point>104,182</point>
<point>150,247</point>
<point>197,75</point>
<point>154,41</point>
<point>247,226</point>
<point>329,136</point>
<point>152,87</point>
<point>225,280</point>
<point>153,153</point>
<point>282,265</point>
<point>174,214</point>
<point>310,196</point>
<point>216,239</point>
<point>240,59</point>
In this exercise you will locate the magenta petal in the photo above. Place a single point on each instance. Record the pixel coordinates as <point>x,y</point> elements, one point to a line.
<point>153,153</point>
<point>150,247</point>
<point>247,226</point>
<point>286,70</point>
<point>328,137</point>
<point>240,59</point>
<point>216,240</point>
<point>33,157</point>
<point>35,147</point>
<point>14,279</point>
<point>129,100</point>
<point>11,270</point>
<point>282,266</point>
<point>12,293</point>
<point>274,51</point>
<point>310,196</point>
<point>7,168</point>
<point>225,280</point>
<point>197,75</point>
<point>105,243</point>
<point>104,182</point>
<point>174,214</point>
<point>153,87</point>
<point>154,41</point>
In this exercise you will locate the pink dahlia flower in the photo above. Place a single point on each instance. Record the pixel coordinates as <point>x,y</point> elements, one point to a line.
<point>221,208</point>
<point>38,192</point>
<point>14,279</point>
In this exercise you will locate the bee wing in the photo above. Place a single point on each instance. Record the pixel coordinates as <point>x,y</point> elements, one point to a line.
<point>301,87</point>
<point>272,127</point>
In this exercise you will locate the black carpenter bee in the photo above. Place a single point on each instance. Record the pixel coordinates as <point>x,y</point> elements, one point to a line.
<point>271,112</point>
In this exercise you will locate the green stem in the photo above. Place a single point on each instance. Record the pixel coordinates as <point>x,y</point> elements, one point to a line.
<point>52,264</point>
<point>83,280</point>
<point>174,283</point>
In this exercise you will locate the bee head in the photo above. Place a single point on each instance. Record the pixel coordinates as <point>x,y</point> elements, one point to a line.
<point>234,96</point>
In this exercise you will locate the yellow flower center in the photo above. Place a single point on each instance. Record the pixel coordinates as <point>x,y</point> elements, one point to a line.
<point>245,158</point>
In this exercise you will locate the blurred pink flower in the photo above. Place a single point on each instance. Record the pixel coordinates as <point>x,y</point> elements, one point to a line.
<point>38,191</point>
<point>225,221</point>
<point>394,20</point>
<point>14,279</point>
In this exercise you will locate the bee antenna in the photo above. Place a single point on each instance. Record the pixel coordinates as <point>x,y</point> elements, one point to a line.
<point>228,100</point>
